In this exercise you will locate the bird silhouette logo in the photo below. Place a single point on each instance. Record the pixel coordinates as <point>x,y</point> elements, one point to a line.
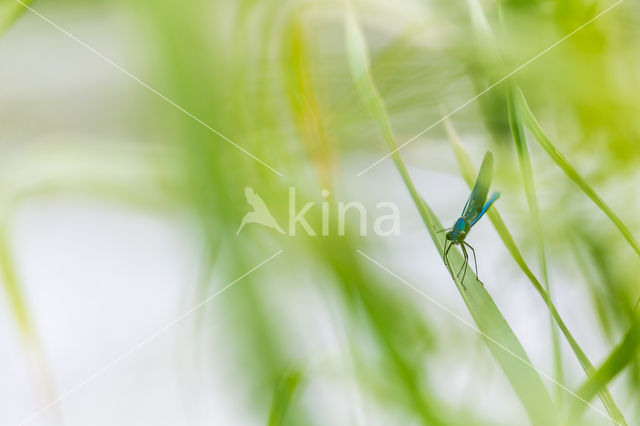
<point>260,213</point>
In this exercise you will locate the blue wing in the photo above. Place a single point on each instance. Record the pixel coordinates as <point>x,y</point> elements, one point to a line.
<point>493,198</point>
<point>476,202</point>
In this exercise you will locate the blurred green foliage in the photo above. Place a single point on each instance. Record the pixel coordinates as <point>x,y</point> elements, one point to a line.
<point>274,76</point>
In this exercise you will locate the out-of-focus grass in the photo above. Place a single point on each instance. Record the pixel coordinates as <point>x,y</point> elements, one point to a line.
<point>10,10</point>
<point>274,77</point>
<point>619,359</point>
<point>283,396</point>
<point>12,287</point>
<point>288,130</point>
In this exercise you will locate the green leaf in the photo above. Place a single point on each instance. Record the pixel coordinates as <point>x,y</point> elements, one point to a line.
<point>499,337</point>
<point>468,173</point>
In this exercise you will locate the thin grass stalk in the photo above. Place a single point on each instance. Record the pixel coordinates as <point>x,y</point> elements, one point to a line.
<point>524,160</point>
<point>624,353</point>
<point>543,140</point>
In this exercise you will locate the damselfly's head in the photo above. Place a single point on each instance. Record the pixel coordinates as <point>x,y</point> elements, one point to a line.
<point>458,232</point>
<point>455,236</point>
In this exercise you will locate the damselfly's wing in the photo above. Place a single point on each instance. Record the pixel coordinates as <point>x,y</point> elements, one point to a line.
<point>493,198</point>
<point>475,203</point>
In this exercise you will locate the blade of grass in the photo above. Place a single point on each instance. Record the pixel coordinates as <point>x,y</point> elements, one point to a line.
<point>10,11</point>
<point>519,139</point>
<point>516,112</point>
<point>310,121</point>
<point>13,289</point>
<point>500,339</point>
<point>32,347</point>
<point>381,312</point>
<point>304,104</point>
<point>605,296</point>
<point>283,396</point>
<point>468,173</point>
<point>619,358</point>
<point>543,140</point>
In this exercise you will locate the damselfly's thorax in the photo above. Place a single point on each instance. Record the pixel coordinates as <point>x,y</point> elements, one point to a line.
<point>459,231</point>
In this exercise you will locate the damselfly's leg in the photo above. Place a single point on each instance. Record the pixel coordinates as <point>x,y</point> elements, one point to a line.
<point>446,259</point>
<point>475,262</point>
<point>464,264</point>
<point>446,253</point>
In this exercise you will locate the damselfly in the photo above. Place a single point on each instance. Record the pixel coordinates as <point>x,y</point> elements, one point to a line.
<point>471,213</point>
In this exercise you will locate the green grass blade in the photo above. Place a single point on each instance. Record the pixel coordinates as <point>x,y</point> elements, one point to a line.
<point>524,160</point>
<point>33,350</point>
<point>557,157</point>
<point>468,173</point>
<point>12,288</point>
<point>10,11</point>
<point>283,396</point>
<point>619,358</point>
<point>499,337</point>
